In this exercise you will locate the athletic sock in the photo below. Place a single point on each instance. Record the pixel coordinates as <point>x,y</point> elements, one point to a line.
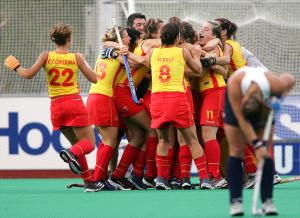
<point>163,166</point>
<point>104,155</point>
<point>82,147</point>
<point>129,155</point>
<point>235,178</point>
<point>201,165</point>
<point>185,160</point>
<point>85,174</point>
<point>175,168</point>
<point>151,146</point>
<point>139,164</point>
<point>267,180</point>
<point>170,156</point>
<point>249,161</point>
<point>212,151</point>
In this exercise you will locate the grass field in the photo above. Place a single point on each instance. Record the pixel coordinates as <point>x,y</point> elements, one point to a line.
<point>50,198</point>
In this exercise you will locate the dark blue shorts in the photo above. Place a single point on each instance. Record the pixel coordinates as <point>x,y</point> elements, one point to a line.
<point>230,119</point>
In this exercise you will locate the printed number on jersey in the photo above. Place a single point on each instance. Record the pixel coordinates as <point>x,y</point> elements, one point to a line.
<point>66,72</point>
<point>100,69</point>
<point>164,74</point>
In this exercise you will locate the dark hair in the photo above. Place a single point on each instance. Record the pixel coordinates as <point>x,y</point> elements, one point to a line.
<point>151,27</point>
<point>255,111</point>
<point>217,31</point>
<point>229,26</point>
<point>134,36</point>
<point>169,34</point>
<point>175,20</point>
<point>132,17</point>
<point>60,33</point>
<point>187,33</point>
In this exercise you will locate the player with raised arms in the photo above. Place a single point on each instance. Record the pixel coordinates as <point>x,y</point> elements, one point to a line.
<point>68,112</point>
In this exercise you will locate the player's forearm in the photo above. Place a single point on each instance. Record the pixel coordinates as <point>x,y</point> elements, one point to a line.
<point>223,60</point>
<point>108,44</point>
<point>211,44</point>
<point>137,59</point>
<point>220,70</point>
<point>27,73</point>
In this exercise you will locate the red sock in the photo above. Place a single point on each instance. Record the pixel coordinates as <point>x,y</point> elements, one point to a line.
<point>185,160</point>
<point>85,175</point>
<point>127,158</point>
<point>82,147</point>
<point>212,151</point>
<point>175,168</point>
<point>170,156</point>
<point>104,155</point>
<point>139,164</point>
<point>249,161</point>
<point>163,166</point>
<point>201,165</point>
<point>151,146</point>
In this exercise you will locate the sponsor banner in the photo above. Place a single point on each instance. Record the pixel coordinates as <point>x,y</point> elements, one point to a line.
<point>28,142</point>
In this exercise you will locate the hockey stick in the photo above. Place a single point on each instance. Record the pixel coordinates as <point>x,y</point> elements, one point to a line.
<point>291,179</point>
<point>260,166</point>
<point>128,71</point>
<point>75,185</point>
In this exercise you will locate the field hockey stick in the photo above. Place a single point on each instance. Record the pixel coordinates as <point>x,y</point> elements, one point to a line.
<point>291,179</point>
<point>128,71</point>
<point>275,105</point>
<point>75,185</point>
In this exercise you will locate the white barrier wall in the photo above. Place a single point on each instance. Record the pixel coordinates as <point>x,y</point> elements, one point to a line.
<point>28,142</point>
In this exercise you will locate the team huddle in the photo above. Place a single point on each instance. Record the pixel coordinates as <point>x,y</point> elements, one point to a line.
<point>203,98</point>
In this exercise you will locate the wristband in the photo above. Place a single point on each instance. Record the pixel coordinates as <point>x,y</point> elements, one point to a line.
<point>17,68</point>
<point>258,143</point>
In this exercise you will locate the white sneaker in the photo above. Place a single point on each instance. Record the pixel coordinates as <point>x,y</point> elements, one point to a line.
<point>250,181</point>
<point>268,208</point>
<point>236,209</point>
<point>219,183</point>
<point>276,179</point>
<point>206,184</point>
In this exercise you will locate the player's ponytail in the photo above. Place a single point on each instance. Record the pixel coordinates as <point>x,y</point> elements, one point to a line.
<point>229,26</point>
<point>151,28</point>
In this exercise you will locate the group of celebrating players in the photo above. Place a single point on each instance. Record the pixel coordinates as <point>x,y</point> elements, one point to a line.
<point>181,75</point>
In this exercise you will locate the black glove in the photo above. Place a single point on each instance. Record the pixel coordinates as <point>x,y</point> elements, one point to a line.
<point>109,53</point>
<point>207,62</point>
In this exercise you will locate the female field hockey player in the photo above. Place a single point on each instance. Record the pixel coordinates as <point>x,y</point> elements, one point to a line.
<point>102,107</point>
<point>211,93</point>
<point>234,58</point>
<point>248,91</point>
<point>187,40</point>
<point>68,112</point>
<point>169,104</point>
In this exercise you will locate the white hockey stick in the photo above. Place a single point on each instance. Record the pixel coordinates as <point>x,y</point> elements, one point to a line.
<point>275,105</point>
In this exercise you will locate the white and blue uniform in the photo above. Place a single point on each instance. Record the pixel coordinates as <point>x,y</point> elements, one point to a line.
<point>252,74</point>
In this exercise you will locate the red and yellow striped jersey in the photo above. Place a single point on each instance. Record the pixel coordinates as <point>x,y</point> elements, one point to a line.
<point>237,59</point>
<point>137,74</point>
<point>211,79</point>
<point>108,72</point>
<point>167,68</point>
<point>61,74</point>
